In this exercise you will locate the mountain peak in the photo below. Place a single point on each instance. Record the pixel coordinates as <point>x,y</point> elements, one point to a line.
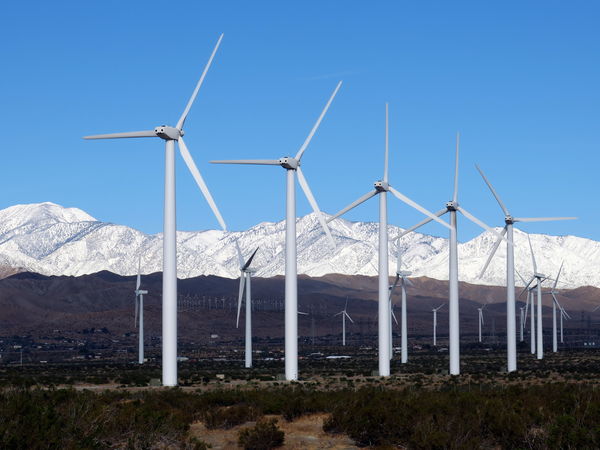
<point>40,214</point>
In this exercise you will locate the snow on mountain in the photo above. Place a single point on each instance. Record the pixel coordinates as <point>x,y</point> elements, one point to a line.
<point>52,240</point>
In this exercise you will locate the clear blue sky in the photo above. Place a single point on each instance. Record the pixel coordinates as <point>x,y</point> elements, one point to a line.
<point>518,79</point>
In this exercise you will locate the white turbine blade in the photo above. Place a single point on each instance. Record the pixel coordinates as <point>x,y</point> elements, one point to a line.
<point>139,274</point>
<point>440,307</point>
<point>259,162</point>
<point>336,314</point>
<point>393,286</point>
<point>596,308</point>
<point>318,122</point>
<point>555,300</point>
<point>352,205</point>
<point>187,157</point>
<point>399,260</point>
<point>441,212</point>
<point>492,253</point>
<point>387,146</point>
<point>394,316</point>
<point>455,194</point>
<point>407,281</point>
<point>526,286</point>
<point>239,254</point>
<point>181,120</point>
<point>541,219</point>
<point>418,207</point>
<point>130,134</point>
<point>240,296</point>
<point>532,255</point>
<point>348,316</point>
<point>522,279</point>
<point>475,220</point>
<point>494,193</point>
<point>303,313</point>
<point>564,311</point>
<point>346,304</point>
<point>136,310</point>
<point>313,203</point>
<point>558,276</point>
<point>250,260</point>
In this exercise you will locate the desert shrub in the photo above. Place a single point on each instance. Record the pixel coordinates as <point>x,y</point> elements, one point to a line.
<point>230,416</point>
<point>264,435</point>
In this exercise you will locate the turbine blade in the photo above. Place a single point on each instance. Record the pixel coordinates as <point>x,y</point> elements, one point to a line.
<point>317,123</point>
<point>394,316</point>
<point>418,207</point>
<point>522,279</point>
<point>239,254</point>
<point>348,316</point>
<point>393,286</point>
<point>494,193</point>
<point>137,307</point>
<point>139,274</point>
<point>346,304</point>
<point>455,194</point>
<point>250,260</point>
<point>130,134</point>
<point>387,146</point>
<point>532,255</point>
<point>492,253</point>
<point>558,276</point>
<point>336,314</point>
<point>441,212</point>
<point>189,161</point>
<point>313,203</point>
<point>407,281</point>
<point>541,219</point>
<point>355,203</point>
<point>475,220</point>
<point>555,300</point>
<point>240,297</point>
<point>181,120</point>
<point>259,162</point>
<point>526,286</point>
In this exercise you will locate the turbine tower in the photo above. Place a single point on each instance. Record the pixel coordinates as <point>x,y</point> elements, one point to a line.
<point>452,207</point>
<point>435,310</point>
<point>480,320</point>
<point>509,220</point>
<point>169,295</point>
<point>292,167</point>
<point>246,281</point>
<point>529,308</point>
<point>382,187</point>
<point>139,312</point>
<point>402,277</point>
<point>344,314</point>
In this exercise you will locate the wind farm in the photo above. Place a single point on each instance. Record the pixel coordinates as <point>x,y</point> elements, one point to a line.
<point>274,320</point>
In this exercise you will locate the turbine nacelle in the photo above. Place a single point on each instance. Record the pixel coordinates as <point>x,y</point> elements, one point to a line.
<point>403,273</point>
<point>509,220</point>
<point>287,162</point>
<point>541,276</point>
<point>452,205</point>
<point>381,186</point>
<point>140,292</point>
<point>168,133</point>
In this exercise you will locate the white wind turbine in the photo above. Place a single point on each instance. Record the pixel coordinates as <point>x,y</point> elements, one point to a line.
<point>529,309</point>
<point>402,277</point>
<point>539,279</point>
<point>292,167</point>
<point>139,312</point>
<point>480,320</point>
<point>509,220</point>
<point>169,295</point>
<point>382,187</point>
<point>435,310</point>
<point>522,321</point>
<point>452,207</point>
<point>344,314</point>
<point>562,312</point>
<point>246,281</point>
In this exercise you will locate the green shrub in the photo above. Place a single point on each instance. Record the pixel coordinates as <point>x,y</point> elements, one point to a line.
<point>264,435</point>
<point>229,416</point>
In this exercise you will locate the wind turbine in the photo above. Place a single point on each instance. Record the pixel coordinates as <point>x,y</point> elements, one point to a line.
<point>402,277</point>
<point>139,312</point>
<point>382,187</point>
<point>529,308</point>
<point>292,167</point>
<point>562,312</point>
<point>480,320</point>
<point>246,281</point>
<point>509,220</point>
<point>522,321</point>
<point>452,207</point>
<point>344,314</point>
<point>539,278</point>
<point>169,298</point>
<point>435,310</point>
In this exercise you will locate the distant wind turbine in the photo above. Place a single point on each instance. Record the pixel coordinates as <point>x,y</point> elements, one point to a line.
<point>344,314</point>
<point>480,320</point>
<point>292,167</point>
<point>246,281</point>
<point>402,277</point>
<point>169,299</point>
<point>139,312</point>
<point>435,310</point>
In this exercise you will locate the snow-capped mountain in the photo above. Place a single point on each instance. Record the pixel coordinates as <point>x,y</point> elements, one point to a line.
<point>52,240</point>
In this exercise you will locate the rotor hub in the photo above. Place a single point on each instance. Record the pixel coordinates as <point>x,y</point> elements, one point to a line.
<point>452,205</point>
<point>168,133</point>
<point>509,220</point>
<point>287,162</point>
<point>381,186</point>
